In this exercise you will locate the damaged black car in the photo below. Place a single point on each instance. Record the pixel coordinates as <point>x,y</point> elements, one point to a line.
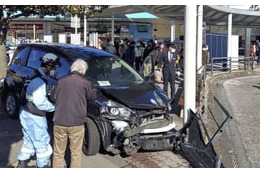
<point>129,112</point>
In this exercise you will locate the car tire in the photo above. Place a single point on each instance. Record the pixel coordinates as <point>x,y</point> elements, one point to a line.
<point>12,105</point>
<point>91,143</point>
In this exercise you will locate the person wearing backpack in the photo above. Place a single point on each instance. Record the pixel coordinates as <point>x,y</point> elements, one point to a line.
<point>36,138</point>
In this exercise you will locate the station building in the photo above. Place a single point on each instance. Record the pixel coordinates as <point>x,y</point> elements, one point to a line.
<point>59,30</point>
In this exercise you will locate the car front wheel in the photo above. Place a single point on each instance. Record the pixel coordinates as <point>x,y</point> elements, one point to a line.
<point>91,144</point>
<point>11,105</point>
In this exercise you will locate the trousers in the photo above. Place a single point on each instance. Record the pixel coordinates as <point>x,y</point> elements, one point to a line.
<point>36,138</point>
<point>75,134</point>
<point>169,77</point>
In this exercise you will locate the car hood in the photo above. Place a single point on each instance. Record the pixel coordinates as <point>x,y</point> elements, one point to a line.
<point>137,96</point>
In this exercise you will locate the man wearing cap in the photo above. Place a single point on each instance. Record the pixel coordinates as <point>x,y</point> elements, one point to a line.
<point>36,138</point>
<point>167,62</point>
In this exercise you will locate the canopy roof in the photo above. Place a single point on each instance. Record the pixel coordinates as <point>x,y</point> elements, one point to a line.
<point>212,14</point>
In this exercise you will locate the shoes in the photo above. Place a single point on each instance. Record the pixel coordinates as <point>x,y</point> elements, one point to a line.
<point>113,150</point>
<point>23,163</point>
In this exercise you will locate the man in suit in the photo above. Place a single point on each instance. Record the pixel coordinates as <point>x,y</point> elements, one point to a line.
<point>167,63</point>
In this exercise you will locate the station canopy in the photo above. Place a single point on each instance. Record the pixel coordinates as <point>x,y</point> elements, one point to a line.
<point>212,14</point>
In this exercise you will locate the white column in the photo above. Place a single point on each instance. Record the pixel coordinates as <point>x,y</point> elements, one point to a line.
<point>199,37</point>
<point>189,61</point>
<point>172,31</point>
<point>112,27</point>
<point>76,29</point>
<point>85,29</point>
<point>229,35</point>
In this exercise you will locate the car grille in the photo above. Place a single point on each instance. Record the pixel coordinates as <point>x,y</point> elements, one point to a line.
<point>149,116</point>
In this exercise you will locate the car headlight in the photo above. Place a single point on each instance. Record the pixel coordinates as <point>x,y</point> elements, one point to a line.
<point>112,110</point>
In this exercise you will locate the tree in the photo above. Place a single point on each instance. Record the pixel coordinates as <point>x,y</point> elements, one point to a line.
<point>9,12</point>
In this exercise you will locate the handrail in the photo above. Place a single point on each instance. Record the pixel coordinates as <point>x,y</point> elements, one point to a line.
<point>228,64</point>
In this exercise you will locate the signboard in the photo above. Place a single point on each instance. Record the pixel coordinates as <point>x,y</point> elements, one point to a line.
<point>26,26</point>
<point>75,22</point>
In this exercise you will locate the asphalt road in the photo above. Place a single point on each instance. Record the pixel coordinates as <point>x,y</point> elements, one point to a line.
<point>238,93</point>
<point>244,97</point>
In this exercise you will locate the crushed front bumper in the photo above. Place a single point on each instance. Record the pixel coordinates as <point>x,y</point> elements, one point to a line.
<point>158,126</point>
<point>156,135</point>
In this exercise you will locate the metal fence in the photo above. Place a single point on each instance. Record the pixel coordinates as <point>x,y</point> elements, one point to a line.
<point>228,64</point>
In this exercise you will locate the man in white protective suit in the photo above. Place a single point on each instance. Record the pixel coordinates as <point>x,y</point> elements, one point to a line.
<point>36,139</point>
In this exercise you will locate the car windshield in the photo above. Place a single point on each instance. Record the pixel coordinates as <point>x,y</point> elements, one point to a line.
<point>111,71</point>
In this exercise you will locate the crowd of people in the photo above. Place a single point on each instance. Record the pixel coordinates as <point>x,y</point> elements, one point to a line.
<point>134,52</point>
<point>167,59</point>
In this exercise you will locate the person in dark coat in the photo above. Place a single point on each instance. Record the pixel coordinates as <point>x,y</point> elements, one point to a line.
<point>111,48</point>
<point>157,55</point>
<point>149,48</point>
<point>130,54</point>
<point>167,63</point>
<point>72,94</point>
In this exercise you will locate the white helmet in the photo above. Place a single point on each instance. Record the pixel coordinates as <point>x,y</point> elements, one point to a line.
<point>51,59</point>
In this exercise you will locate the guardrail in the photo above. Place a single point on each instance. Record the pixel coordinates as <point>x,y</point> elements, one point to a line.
<point>227,64</point>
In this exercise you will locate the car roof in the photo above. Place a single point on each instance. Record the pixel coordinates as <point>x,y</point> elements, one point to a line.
<point>71,51</point>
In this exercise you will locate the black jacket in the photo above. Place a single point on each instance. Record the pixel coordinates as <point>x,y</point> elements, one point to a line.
<point>72,93</point>
<point>168,66</point>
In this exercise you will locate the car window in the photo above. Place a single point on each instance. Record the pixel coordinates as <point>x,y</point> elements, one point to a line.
<point>21,56</point>
<point>64,69</point>
<point>34,58</point>
<point>111,71</point>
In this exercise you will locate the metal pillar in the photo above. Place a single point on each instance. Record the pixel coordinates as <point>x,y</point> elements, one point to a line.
<point>199,38</point>
<point>85,29</point>
<point>229,35</point>
<point>172,31</point>
<point>247,42</point>
<point>112,28</point>
<point>189,61</point>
